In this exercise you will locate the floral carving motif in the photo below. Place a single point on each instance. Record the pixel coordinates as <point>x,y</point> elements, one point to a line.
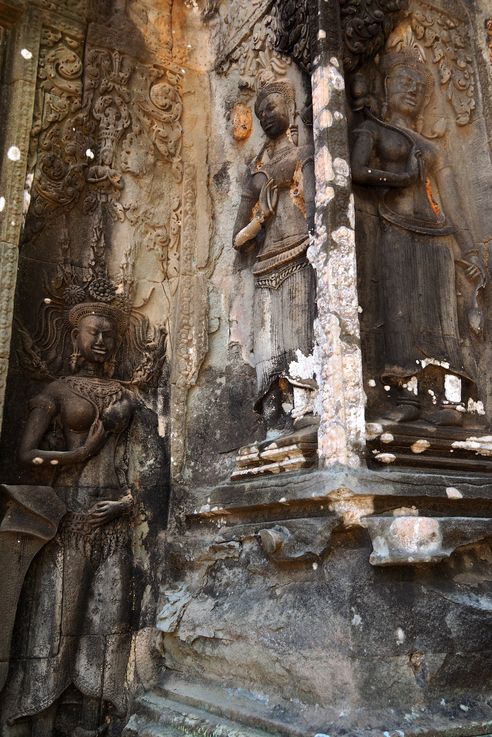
<point>250,44</point>
<point>84,113</point>
<point>293,32</point>
<point>366,25</point>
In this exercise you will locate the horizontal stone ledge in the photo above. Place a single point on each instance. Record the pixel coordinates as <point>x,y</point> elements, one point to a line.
<point>341,484</point>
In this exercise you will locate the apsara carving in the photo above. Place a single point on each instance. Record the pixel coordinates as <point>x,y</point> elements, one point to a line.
<point>445,37</point>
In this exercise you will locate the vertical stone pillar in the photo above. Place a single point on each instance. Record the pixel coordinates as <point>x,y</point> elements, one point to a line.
<point>332,253</point>
<point>21,33</point>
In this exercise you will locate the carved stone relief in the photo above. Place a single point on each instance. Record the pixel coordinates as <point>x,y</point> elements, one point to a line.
<point>365,27</point>
<point>78,428</point>
<point>445,37</point>
<point>277,202</point>
<point>422,88</point>
<point>247,40</point>
<point>103,230</point>
<point>488,28</point>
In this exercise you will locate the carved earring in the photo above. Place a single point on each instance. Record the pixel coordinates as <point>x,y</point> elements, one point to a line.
<point>109,367</point>
<point>293,134</point>
<point>74,359</point>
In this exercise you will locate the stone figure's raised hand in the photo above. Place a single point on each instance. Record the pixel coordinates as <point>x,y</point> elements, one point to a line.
<point>108,509</point>
<point>474,267</point>
<point>105,511</point>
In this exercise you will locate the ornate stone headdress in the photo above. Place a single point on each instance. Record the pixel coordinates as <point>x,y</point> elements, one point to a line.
<point>268,85</point>
<point>98,296</point>
<point>408,57</point>
<point>75,294</point>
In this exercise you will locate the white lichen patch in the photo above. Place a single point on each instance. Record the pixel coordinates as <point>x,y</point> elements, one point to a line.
<point>14,153</point>
<point>324,165</point>
<point>89,153</point>
<point>453,493</point>
<point>324,195</point>
<point>405,512</point>
<point>420,446</point>
<point>385,457</point>
<point>356,619</point>
<point>452,388</point>
<point>400,636</point>
<point>26,54</point>
<point>475,407</point>
<point>482,446</point>
<point>2,204</point>
<point>351,509</point>
<point>433,362</point>
<point>342,172</point>
<point>336,79</point>
<point>304,367</point>
<point>321,34</point>
<point>371,383</point>
<point>325,120</point>
<point>412,385</point>
<point>387,437</point>
<point>344,236</point>
<point>373,430</point>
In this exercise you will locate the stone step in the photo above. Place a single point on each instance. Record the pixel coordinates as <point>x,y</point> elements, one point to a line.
<point>155,715</point>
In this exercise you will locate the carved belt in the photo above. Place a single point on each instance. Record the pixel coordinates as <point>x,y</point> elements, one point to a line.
<point>275,279</point>
<point>271,272</point>
<point>97,543</point>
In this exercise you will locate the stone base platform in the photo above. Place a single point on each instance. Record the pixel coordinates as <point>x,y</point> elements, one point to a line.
<point>287,453</point>
<point>184,709</point>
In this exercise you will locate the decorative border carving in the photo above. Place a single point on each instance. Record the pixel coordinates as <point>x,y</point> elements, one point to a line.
<point>12,182</point>
<point>239,23</point>
<point>488,28</point>
<point>190,334</point>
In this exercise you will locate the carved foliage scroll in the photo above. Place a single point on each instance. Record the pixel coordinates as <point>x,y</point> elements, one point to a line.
<point>366,25</point>
<point>250,44</point>
<point>84,113</point>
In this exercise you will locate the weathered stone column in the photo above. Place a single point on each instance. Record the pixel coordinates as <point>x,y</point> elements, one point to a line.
<point>21,29</point>
<point>341,396</point>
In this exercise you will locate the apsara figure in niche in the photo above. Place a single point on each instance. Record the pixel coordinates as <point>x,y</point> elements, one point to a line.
<point>275,213</point>
<point>69,675</point>
<point>424,234</point>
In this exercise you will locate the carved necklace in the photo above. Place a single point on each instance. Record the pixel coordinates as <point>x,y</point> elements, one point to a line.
<point>102,393</point>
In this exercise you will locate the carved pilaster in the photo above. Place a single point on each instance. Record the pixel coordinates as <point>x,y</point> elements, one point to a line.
<point>332,253</point>
<point>19,83</point>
